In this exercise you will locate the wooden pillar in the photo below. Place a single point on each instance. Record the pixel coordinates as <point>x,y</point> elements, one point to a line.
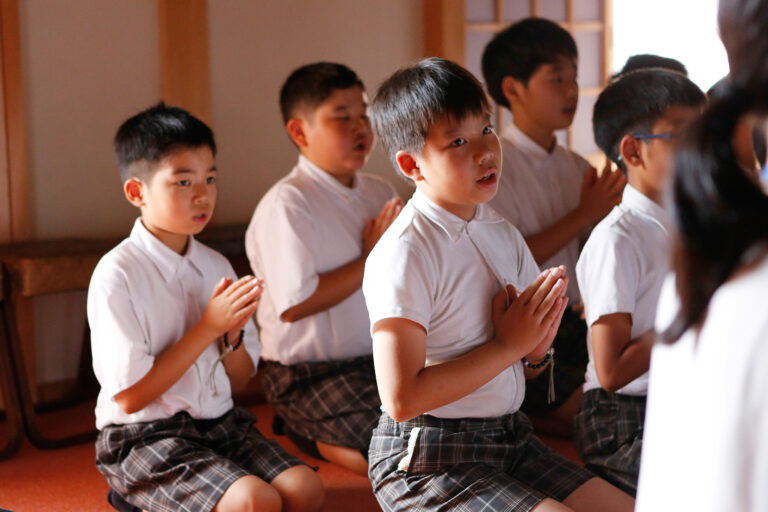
<point>444,29</point>
<point>185,56</point>
<point>15,218</point>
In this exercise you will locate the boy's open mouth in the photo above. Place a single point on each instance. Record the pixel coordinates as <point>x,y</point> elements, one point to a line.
<point>488,178</point>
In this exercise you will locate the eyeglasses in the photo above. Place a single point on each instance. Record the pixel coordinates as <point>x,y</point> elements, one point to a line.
<point>646,136</point>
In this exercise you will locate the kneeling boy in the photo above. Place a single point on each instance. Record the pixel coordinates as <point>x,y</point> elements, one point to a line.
<point>172,338</point>
<point>308,239</point>
<point>452,340</point>
<point>636,121</point>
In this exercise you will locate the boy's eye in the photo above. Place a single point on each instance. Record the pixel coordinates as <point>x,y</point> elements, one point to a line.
<point>210,180</point>
<point>557,79</point>
<point>184,183</point>
<point>488,129</point>
<point>343,118</point>
<point>458,142</point>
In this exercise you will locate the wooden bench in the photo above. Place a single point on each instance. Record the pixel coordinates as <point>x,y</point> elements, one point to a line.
<point>12,428</point>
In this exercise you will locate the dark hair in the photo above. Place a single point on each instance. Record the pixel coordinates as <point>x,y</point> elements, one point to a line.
<point>520,49</point>
<point>414,98</point>
<point>647,60</point>
<point>310,85</point>
<point>634,102</point>
<point>152,134</point>
<point>720,212</point>
<point>719,91</point>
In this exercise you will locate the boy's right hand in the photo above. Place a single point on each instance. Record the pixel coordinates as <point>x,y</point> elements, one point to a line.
<point>376,227</point>
<point>523,323</point>
<point>599,194</point>
<point>232,304</point>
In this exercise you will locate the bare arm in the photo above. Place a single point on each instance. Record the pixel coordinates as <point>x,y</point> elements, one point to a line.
<point>619,359</point>
<point>408,388</point>
<point>338,284</point>
<point>598,195</point>
<point>231,304</point>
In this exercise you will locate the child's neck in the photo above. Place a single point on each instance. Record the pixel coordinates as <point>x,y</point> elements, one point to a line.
<point>174,241</point>
<point>542,136</point>
<point>649,191</point>
<point>345,177</point>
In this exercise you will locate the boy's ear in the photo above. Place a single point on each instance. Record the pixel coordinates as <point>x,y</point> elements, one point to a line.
<point>629,149</point>
<point>295,129</point>
<point>408,165</point>
<point>512,89</point>
<point>134,192</point>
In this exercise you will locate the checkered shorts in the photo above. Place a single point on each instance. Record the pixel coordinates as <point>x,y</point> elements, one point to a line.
<point>185,464</point>
<point>334,402</point>
<point>571,360</point>
<point>609,436</point>
<point>467,465</point>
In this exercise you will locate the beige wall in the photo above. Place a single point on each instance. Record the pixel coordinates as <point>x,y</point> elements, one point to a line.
<point>255,45</point>
<point>88,64</point>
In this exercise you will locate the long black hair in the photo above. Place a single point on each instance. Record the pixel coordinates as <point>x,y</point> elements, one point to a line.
<point>720,211</point>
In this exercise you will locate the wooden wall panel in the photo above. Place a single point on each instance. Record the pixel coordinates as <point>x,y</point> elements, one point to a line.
<point>185,56</point>
<point>14,202</point>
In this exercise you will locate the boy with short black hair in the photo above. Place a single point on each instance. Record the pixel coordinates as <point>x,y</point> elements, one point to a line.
<point>636,120</point>
<point>172,338</point>
<point>453,340</point>
<point>551,194</point>
<point>308,239</point>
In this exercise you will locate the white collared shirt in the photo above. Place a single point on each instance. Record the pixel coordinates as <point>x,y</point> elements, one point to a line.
<point>143,298</point>
<point>537,189</point>
<point>308,224</point>
<point>705,445</point>
<point>621,270</point>
<point>435,269</point>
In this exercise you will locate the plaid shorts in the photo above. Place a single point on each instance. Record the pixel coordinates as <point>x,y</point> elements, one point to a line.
<point>609,436</point>
<point>467,465</point>
<point>334,402</point>
<point>186,464</point>
<point>571,360</point>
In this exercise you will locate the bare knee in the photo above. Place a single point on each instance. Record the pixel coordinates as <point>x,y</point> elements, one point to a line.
<point>597,495</point>
<point>249,494</point>
<point>300,489</point>
<point>346,457</point>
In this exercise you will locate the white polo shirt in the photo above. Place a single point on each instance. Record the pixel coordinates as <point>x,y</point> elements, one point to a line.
<point>309,224</point>
<point>143,297</point>
<point>621,270</point>
<point>705,445</point>
<point>537,189</point>
<point>441,272</point>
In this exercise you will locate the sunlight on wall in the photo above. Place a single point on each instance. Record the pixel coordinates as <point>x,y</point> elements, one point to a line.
<point>685,30</point>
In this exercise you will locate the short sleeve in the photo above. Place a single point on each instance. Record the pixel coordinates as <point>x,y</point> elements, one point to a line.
<point>527,269</point>
<point>397,283</point>
<point>608,273</point>
<point>283,239</point>
<point>121,355</point>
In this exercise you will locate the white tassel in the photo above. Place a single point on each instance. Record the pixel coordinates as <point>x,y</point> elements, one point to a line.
<point>551,394</point>
<point>406,461</point>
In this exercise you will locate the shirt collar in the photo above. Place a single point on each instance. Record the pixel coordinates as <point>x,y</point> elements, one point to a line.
<point>326,180</point>
<point>453,225</point>
<point>168,261</point>
<point>636,200</point>
<point>516,136</point>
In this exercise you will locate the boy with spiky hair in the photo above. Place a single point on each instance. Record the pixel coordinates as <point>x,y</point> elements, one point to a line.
<point>453,340</point>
